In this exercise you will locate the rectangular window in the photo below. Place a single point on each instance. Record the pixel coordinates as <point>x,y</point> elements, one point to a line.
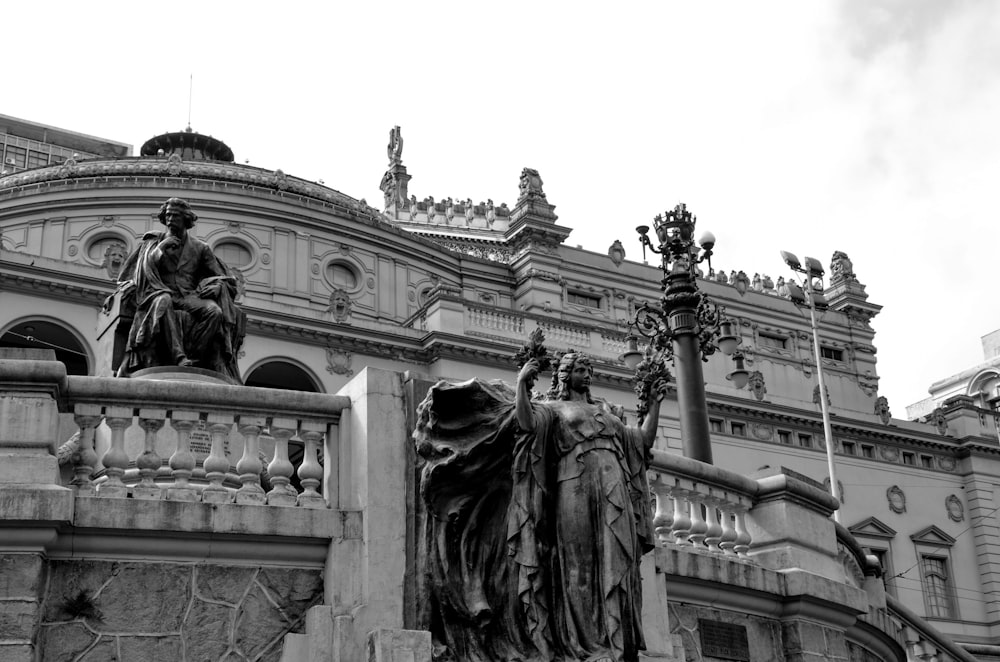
<point>715,424</point>
<point>37,159</point>
<point>767,340</point>
<point>885,560</point>
<point>784,437</point>
<point>805,440</point>
<point>583,299</point>
<point>831,353</point>
<point>908,458</point>
<point>927,462</point>
<point>849,447</point>
<point>15,156</point>
<point>868,451</point>
<point>739,429</point>
<point>938,595</point>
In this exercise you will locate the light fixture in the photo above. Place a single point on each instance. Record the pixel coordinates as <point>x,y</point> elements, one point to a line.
<point>740,375</point>
<point>728,340</point>
<point>632,356</point>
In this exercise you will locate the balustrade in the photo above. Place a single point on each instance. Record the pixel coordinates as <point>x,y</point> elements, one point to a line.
<point>495,320</point>
<point>226,452</point>
<point>700,506</point>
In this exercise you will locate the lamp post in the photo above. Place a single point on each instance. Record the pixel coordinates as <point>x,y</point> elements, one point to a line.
<point>685,326</point>
<point>814,270</point>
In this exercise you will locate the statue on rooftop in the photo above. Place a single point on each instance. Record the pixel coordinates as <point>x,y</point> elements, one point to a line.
<point>537,515</point>
<point>395,147</point>
<point>183,297</point>
<point>841,267</point>
<point>530,185</point>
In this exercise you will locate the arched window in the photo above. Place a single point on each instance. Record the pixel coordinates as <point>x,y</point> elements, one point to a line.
<point>283,375</point>
<point>42,334</point>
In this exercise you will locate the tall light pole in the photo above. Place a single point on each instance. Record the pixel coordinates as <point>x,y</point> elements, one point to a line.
<point>813,269</point>
<point>685,325</point>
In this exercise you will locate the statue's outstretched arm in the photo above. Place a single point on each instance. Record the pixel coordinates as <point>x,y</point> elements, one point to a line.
<point>652,420</point>
<point>522,403</point>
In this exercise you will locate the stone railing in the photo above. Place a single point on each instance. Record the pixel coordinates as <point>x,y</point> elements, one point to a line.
<point>700,505</point>
<point>565,335</point>
<point>192,441</point>
<point>495,321</point>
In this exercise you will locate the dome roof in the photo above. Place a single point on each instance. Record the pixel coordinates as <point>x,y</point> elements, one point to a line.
<point>190,145</point>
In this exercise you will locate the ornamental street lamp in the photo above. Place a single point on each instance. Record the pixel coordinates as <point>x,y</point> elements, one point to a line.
<point>814,300</point>
<point>685,326</point>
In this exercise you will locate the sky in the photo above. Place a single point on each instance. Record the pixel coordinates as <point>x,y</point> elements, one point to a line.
<point>866,127</point>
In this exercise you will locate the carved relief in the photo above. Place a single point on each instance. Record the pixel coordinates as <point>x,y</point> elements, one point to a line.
<point>826,391</point>
<point>882,410</point>
<point>939,421</point>
<point>756,384</point>
<point>338,362</point>
<point>840,488</point>
<point>340,305</point>
<point>956,511</point>
<point>897,499</point>
<point>617,253</point>
<point>890,453</point>
<point>946,462</point>
<point>762,431</point>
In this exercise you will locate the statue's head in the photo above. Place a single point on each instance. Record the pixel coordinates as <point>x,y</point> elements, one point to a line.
<point>562,378</point>
<point>114,258</point>
<point>181,206</point>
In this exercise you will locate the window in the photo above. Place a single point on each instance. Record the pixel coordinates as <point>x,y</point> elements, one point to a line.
<point>583,299</point>
<point>784,437</point>
<point>37,159</point>
<point>868,451</point>
<point>908,458</point>
<point>341,275</point>
<point>885,560</point>
<point>767,340</point>
<point>938,595</point>
<point>849,447</point>
<point>739,429</point>
<point>15,156</point>
<point>715,424</point>
<point>831,353</point>
<point>805,440</point>
<point>234,254</point>
<point>927,462</point>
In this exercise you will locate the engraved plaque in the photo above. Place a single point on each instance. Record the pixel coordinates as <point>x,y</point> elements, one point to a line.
<point>725,640</point>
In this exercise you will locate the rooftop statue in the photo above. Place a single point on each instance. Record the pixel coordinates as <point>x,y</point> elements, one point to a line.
<point>537,515</point>
<point>395,148</point>
<point>183,297</point>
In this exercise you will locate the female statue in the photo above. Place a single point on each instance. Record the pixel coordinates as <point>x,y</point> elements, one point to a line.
<point>537,517</point>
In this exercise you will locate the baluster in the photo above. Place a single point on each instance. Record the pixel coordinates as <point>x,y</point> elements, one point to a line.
<point>182,461</point>
<point>249,466</point>
<point>149,463</point>
<point>280,469</point>
<point>88,417</point>
<point>663,517</point>
<point>217,464</point>
<point>682,518</point>
<point>311,471</point>
<point>728,539</point>
<point>699,527</point>
<point>743,538</point>
<point>714,533</point>
<point>115,461</point>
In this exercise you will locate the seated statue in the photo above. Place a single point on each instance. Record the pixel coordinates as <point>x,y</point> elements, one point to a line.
<point>183,297</point>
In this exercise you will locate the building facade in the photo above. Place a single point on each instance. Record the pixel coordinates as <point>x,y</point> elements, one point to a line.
<point>450,289</point>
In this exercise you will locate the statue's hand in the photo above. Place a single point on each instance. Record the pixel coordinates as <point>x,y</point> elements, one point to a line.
<point>659,389</point>
<point>210,290</point>
<point>170,243</point>
<point>529,373</point>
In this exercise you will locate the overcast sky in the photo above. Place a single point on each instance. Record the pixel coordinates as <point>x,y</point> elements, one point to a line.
<point>868,127</point>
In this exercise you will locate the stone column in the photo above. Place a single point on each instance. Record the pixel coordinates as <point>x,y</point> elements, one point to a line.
<point>32,503</point>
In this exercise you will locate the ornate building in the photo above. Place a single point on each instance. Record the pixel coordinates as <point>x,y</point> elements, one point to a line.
<point>446,288</point>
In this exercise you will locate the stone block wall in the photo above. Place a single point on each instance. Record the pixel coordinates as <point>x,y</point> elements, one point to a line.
<point>185,612</point>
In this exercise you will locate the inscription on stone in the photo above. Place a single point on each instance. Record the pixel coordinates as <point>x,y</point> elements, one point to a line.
<point>725,640</point>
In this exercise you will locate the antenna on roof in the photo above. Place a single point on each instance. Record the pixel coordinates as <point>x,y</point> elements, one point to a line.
<point>190,94</point>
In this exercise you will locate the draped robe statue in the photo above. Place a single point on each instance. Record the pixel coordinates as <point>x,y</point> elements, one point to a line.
<point>537,517</point>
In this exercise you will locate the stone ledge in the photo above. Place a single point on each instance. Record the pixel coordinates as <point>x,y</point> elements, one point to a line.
<point>741,585</point>
<point>21,503</point>
<point>132,515</point>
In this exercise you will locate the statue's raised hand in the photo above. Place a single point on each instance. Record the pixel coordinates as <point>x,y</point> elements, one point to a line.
<point>529,373</point>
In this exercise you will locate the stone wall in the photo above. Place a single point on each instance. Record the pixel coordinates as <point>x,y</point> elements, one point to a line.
<point>130,610</point>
